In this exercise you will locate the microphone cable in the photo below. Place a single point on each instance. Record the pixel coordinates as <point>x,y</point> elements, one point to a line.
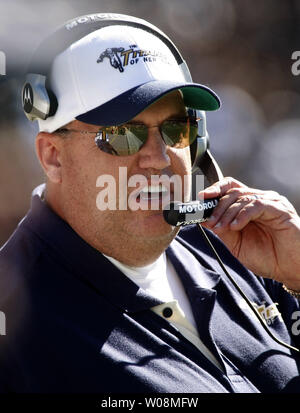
<point>241,292</point>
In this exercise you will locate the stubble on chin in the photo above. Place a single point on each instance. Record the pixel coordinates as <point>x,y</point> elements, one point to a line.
<point>119,240</point>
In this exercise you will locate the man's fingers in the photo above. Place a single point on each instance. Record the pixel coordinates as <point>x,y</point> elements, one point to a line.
<point>249,212</point>
<point>220,188</point>
<point>251,208</point>
<point>239,204</point>
<point>229,210</point>
<point>233,199</point>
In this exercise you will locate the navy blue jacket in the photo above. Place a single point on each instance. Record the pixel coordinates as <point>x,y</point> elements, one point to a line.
<point>75,323</point>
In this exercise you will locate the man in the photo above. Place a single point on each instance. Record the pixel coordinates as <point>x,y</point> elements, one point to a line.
<point>117,300</point>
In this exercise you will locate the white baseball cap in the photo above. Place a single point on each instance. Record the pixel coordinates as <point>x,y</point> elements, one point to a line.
<point>114,73</point>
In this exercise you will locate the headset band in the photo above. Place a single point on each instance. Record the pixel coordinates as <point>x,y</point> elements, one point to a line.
<point>80,27</point>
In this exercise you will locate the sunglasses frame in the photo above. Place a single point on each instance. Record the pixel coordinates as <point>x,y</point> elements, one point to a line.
<point>192,120</point>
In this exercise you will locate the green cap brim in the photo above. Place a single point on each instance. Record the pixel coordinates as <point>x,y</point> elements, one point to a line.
<point>200,97</point>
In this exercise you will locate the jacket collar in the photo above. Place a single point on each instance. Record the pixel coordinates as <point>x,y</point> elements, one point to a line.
<point>192,271</point>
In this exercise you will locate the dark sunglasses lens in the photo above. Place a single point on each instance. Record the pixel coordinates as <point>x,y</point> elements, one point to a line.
<point>128,139</point>
<point>179,134</point>
<point>122,140</point>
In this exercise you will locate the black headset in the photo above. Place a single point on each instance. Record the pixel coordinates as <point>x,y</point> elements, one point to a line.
<point>39,102</point>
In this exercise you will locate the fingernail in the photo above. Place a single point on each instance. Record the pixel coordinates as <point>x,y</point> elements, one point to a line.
<point>218,225</point>
<point>234,222</point>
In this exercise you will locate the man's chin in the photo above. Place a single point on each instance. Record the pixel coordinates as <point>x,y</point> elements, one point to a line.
<point>152,226</point>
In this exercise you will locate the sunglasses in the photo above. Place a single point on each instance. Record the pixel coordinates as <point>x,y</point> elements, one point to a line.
<point>127,139</point>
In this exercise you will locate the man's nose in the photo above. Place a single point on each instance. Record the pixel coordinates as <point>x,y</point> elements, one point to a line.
<point>153,153</point>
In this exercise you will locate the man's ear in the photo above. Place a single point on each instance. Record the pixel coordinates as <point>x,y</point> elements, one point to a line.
<point>48,152</point>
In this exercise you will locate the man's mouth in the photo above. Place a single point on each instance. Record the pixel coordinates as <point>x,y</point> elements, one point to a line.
<point>153,197</point>
<point>153,192</point>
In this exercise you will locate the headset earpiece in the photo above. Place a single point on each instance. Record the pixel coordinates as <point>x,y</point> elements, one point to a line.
<point>201,144</point>
<point>203,163</point>
<point>37,101</point>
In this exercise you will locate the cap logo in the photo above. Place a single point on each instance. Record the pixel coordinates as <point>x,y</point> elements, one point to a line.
<point>112,55</point>
<point>27,98</point>
<point>120,58</point>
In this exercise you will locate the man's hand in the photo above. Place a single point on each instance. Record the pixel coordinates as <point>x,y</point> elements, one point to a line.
<point>261,229</point>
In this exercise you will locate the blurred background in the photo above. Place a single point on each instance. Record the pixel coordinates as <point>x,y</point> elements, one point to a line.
<point>241,49</point>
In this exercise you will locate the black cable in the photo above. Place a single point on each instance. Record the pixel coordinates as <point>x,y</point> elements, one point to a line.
<point>262,322</point>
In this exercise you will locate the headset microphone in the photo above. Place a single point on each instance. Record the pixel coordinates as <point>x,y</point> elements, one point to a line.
<point>187,213</point>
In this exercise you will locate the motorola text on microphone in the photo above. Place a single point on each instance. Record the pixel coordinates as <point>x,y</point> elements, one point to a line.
<point>187,213</point>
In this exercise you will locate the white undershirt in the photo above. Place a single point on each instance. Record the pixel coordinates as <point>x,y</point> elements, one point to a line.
<point>161,281</point>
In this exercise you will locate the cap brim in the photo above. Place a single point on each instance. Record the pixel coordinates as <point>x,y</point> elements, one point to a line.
<point>129,104</point>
